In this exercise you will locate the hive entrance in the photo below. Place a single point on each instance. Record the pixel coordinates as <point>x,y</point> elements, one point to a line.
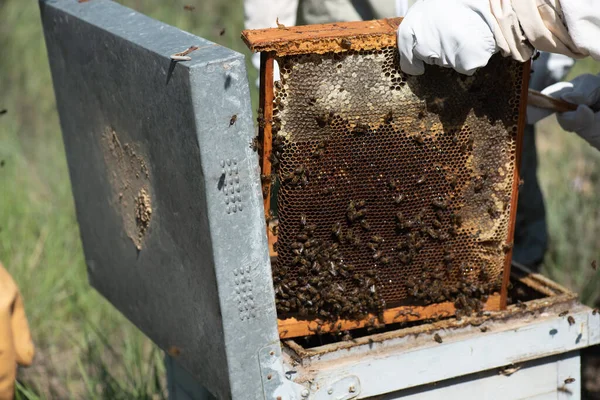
<point>394,194</point>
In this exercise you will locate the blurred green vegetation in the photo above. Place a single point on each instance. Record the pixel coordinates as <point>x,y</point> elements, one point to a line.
<point>85,348</point>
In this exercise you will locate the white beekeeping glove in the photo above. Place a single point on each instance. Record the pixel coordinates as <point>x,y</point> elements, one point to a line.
<point>584,91</point>
<point>448,33</point>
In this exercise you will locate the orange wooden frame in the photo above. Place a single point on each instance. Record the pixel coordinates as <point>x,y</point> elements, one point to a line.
<point>341,37</point>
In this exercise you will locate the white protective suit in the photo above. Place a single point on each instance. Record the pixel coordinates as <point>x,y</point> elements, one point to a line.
<point>464,34</point>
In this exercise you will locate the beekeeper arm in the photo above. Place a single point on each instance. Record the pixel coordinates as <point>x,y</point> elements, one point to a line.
<point>16,346</point>
<point>585,120</point>
<point>463,34</point>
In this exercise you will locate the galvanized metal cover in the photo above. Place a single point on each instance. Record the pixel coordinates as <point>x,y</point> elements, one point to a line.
<point>166,187</point>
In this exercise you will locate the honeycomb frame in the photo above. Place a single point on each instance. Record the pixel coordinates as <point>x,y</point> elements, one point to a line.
<point>360,39</point>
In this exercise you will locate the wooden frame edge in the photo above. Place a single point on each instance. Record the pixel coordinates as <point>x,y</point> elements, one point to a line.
<point>292,327</point>
<point>522,121</point>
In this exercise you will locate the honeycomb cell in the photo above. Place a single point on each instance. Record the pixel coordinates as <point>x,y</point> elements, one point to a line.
<point>390,191</point>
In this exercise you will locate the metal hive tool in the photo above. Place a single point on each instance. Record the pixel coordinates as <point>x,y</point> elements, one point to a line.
<point>394,195</point>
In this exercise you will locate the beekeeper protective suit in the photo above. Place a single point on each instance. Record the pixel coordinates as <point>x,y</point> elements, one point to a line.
<point>421,22</point>
<point>16,347</point>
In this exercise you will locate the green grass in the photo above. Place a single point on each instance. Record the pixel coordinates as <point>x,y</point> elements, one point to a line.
<point>85,348</point>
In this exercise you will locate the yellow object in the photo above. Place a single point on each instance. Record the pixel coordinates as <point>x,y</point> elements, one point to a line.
<point>16,346</point>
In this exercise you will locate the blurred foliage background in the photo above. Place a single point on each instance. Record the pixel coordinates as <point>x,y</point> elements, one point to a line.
<point>85,348</point>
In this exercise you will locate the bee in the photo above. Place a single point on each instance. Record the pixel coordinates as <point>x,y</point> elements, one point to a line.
<point>373,246</point>
<point>377,255</point>
<point>594,265</point>
<point>360,204</point>
<point>346,43</point>
<point>399,198</point>
<point>436,223</point>
<point>351,205</point>
<point>392,185</point>
<point>571,320</point>
<point>484,329</point>
<point>569,380</point>
<point>255,144</point>
<point>174,351</point>
<point>506,247</point>
<point>400,217</point>
<point>311,228</point>
<point>562,314</point>
<point>365,225</point>
<point>260,118</point>
<point>437,338</point>
<point>279,25</point>
<point>361,128</point>
<point>405,258</point>
<point>595,311</point>
<point>521,305</point>
<point>311,101</point>
<point>327,191</point>
<point>233,119</point>
<point>448,258</point>
<point>421,114</point>
<point>478,184</point>
<point>302,220</point>
<point>402,244</point>
<point>385,260</point>
<point>302,237</point>
<point>189,7</point>
<point>389,117</point>
<point>452,179</point>
<point>536,55</point>
<point>440,203</point>
<point>288,177</point>
<point>417,137</point>
<point>352,216</point>
<point>222,32</point>
<point>455,219</point>
<point>266,179</point>
<point>376,239</point>
<point>431,232</point>
<point>467,146</point>
<point>421,179</point>
<point>274,160</point>
<point>438,104</point>
<point>322,121</point>
<point>269,217</point>
<point>336,229</point>
<point>318,153</point>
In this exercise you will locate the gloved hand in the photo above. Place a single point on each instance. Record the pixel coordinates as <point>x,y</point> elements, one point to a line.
<point>16,346</point>
<point>584,91</point>
<point>448,33</point>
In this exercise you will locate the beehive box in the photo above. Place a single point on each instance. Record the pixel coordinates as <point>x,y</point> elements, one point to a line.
<point>389,198</point>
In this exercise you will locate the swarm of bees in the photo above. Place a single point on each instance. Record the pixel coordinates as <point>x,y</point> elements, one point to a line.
<point>315,289</point>
<point>336,261</point>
